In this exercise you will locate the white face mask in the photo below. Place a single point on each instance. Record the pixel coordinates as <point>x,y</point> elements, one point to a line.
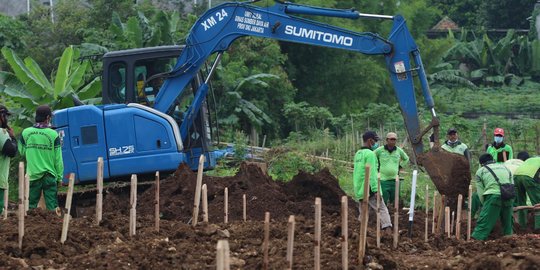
<point>498,139</point>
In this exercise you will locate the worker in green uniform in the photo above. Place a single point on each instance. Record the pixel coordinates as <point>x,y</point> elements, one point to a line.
<point>41,146</point>
<point>513,164</point>
<point>363,157</point>
<point>390,157</point>
<point>527,181</point>
<point>8,145</point>
<point>499,150</point>
<point>489,177</point>
<point>454,145</point>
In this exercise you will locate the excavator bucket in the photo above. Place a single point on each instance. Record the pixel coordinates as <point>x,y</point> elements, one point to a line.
<point>449,172</point>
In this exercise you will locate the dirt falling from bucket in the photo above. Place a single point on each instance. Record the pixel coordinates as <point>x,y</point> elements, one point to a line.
<point>449,172</point>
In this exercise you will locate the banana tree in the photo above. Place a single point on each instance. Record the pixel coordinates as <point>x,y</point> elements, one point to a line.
<point>485,62</point>
<point>244,112</point>
<point>28,87</point>
<point>164,28</point>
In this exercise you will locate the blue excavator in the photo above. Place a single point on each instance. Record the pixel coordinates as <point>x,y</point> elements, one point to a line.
<point>155,113</point>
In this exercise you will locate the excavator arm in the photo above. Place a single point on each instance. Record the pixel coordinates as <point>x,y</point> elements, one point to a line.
<point>219,27</point>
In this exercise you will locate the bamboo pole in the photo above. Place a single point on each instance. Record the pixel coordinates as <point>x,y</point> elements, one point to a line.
<point>317,234</point>
<point>26,193</point>
<point>447,221</point>
<point>469,217</point>
<point>427,214</point>
<point>365,216</point>
<point>290,242</point>
<point>266,239</point>
<point>244,211</point>
<point>434,212</point>
<point>6,201</point>
<point>133,205</point>
<point>396,213</point>
<point>197,199</point>
<point>458,216</point>
<point>378,194</point>
<point>226,206</point>
<point>344,233</point>
<point>222,255</point>
<point>99,195</point>
<point>67,215</point>
<point>21,203</point>
<point>156,204</point>
<point>205,202</point>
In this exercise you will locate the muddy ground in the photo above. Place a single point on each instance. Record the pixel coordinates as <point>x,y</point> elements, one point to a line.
<point>180,246</point>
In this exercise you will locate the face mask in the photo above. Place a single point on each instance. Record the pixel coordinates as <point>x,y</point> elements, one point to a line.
<point>375,146</point>
<point>498,139</point>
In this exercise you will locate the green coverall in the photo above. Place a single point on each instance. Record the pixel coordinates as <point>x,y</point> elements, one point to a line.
<point>361,158</point>
<point>389,162</point>
<point>4,167</point>
<point>526,184</point>
<point>45,168</point>
<point>493,207</point>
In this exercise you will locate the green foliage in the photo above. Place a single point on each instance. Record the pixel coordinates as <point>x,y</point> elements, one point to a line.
<point>240,146</point>
<point>29,86</point>
<point>504,14</point>
<point>11,33</point>
<point>487,62</point>
<point>284,166</point>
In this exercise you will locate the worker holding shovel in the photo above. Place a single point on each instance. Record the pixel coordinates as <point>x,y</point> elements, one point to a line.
<point>527,182</point>
<point>496,191</point>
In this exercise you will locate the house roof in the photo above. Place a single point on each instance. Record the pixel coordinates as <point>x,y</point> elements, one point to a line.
<point>445,24</point>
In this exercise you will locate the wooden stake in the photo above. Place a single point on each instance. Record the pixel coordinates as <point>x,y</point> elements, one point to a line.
<point>344,233</point>
<point>197,199</point>
<point>452,222</point>
<point>441,214</point>
<point>469,217</point>
<point>99,195</point>
<point>67,215</point>
<point>222,255</point>
<point>41,203</point>
<point>244,214</point>
<point>290,242</point>
<point>447,221</point>
<point>378,194</point>
<point>26,193</point>
<point>156,204</point>
<point>21,203</point>
<point>434,212</point>
<point>133,205</point>
<point>266,239</point>
<point>427,215</point>
<point>205,202</point>
<point>6,201</point>
<point>364,217</point>
<point>396,213</point>
<point>226,206</point>
<point>317,233</point>
<point>458,216</point>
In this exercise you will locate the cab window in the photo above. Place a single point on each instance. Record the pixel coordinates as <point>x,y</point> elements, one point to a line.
<point>146,90</point>
<point>117,82</point>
